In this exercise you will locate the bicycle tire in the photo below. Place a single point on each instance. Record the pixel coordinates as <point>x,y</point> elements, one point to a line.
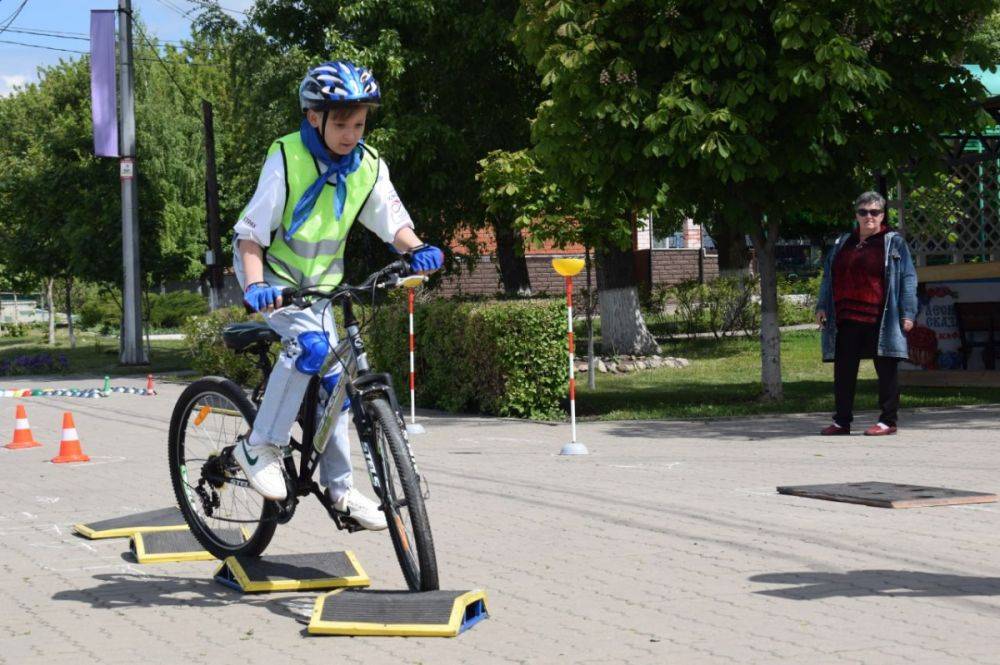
<point>420,571</point>
<point>225,538</point>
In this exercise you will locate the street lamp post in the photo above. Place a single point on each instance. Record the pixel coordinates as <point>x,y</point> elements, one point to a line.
<point>568,268</point>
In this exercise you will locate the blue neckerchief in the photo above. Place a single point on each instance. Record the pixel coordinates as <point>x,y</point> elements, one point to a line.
<point>342,167</point>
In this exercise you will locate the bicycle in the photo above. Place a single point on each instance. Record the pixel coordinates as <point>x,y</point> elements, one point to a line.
<point>228,517</point>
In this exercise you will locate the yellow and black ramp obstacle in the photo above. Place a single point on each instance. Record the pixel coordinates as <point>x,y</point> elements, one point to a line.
<point>164,519</point>
<point>292,572</point>
<point>399,613</point>
<point>173,546</point>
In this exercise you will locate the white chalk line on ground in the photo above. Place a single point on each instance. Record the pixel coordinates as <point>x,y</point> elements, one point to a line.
<point>101,459</point>
<point>65,545</point>
<point>758,491</point>
<point>651,467</point>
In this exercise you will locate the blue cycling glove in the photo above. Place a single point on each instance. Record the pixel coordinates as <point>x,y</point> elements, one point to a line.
<point>260,296</point>
<point>426,258</point>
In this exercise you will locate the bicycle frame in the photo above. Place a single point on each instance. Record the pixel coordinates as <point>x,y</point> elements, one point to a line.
<point>357,381</point>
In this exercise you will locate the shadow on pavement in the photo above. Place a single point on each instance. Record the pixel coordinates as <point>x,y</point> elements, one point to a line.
<point>889,583</point>
<point>118,590</point>
<point>753,428</point>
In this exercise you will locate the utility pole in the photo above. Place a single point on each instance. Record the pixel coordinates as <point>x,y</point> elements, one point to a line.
<point>214,253</point>
<point>132,350</point>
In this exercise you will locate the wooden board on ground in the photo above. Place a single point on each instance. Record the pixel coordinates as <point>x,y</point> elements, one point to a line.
<point>888,495</point>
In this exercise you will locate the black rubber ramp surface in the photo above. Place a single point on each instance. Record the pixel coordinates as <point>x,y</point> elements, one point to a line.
<point>171,546</point>
<point>291,572</point>
<point>129,525</point>
<point>888,495</point>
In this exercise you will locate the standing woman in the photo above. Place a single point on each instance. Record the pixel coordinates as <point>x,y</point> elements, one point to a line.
<point>867,302</point>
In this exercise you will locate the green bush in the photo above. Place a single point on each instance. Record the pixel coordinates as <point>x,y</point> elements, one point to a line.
<point>171,310</point>
<point>100,311</point>
<point>16,329</point>
<point>499,358</point>
<point>725,306</point>
<point>209,355</point>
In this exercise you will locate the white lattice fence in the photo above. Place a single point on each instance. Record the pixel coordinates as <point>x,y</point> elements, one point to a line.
<point>957,220</point>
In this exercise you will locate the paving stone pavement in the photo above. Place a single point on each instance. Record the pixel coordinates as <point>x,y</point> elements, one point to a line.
<point>668,544</point>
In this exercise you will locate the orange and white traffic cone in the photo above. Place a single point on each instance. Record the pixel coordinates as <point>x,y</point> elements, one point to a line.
<point>23,438</point>
<point>69,447</point>
<point>149,385</point>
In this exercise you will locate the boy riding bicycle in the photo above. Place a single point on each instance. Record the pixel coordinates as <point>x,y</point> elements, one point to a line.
<point>315,183</point>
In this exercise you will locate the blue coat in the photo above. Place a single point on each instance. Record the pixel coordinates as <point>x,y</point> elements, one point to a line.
<point>900,298</point>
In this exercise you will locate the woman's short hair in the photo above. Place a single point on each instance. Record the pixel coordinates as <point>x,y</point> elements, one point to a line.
<point>870,197</point>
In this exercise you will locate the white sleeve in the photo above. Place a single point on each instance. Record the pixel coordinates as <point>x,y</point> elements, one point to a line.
<point>383,213</point>
<point>262,216</point>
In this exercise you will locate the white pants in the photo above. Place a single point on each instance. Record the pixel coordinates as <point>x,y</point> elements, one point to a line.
<point>287,386</point>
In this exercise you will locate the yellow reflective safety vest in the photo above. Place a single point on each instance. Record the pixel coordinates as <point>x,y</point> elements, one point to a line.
<point>314,256</point>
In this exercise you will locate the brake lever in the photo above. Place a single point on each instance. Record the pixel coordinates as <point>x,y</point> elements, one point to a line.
<point>290,296</point>
<point>409,281</point>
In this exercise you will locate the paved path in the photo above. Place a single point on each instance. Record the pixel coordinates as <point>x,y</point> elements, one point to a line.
<point>667,544</point>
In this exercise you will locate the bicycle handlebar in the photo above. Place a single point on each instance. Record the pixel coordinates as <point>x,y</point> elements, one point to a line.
<point>379,278</point>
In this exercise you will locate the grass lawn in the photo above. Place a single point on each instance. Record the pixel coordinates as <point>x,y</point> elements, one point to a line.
<point>724,380</point>
<point>93,354</point>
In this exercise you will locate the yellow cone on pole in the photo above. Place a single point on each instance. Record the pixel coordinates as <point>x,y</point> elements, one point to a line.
<point>567,267</point>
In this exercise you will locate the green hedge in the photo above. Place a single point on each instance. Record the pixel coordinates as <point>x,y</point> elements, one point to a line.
<point>498,358</point>
<point>168,310</point>
<point>506,359</point>
<point>99,312</point>
<point>171,310</point>
<point>209,355</point>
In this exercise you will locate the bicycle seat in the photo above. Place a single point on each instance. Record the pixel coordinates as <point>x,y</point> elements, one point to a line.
<point>239,336</point>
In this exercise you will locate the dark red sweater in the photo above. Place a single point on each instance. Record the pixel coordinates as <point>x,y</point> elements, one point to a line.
<point>859,278</point>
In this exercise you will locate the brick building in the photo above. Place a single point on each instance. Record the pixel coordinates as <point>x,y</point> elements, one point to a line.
<point>659,260</point>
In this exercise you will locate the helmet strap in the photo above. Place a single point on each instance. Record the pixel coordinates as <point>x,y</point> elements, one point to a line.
<point>322,131</point>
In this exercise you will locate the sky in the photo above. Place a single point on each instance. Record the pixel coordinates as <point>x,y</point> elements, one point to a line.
<point>19,64</point>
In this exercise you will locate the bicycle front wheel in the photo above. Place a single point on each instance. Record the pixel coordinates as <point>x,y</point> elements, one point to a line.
<point>402,501</point>
<point>223,512</point>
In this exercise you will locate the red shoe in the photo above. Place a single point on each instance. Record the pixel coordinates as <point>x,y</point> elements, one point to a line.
<point>880,429</point>
<point>835,430</point>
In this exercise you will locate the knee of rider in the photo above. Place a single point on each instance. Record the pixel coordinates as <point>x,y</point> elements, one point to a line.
<point>330,382</point>
<point>313,348</point>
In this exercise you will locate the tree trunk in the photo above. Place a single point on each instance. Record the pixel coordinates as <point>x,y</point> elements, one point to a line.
<point>49,286</point>
<point>764,237</point>
<point>69,311</point>
<point>510,258</point>
<point>731,244</point>
<point>623,330</point>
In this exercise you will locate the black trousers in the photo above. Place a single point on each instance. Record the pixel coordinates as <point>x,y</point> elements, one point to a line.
<point>854,342</point>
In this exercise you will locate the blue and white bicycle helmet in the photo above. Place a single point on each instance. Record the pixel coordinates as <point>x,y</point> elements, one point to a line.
<point>337,83</point>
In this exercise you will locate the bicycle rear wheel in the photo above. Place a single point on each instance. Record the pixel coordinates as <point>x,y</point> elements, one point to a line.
<point>223,512</point>
<point>402,501</point>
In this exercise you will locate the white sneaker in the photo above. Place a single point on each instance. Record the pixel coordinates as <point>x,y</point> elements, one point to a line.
<point>361,509</point>
<point>263,468</point>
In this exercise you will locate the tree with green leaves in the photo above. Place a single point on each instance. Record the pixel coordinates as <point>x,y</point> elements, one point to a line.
<point>750,111</point>
<point>453,85</point>
<point>59,202</point>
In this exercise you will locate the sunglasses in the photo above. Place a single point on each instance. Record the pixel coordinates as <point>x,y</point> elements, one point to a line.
<point>869,212</point>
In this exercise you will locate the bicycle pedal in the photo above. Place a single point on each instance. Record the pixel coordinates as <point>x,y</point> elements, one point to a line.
<point>346,522</point>
<point>351,525</point>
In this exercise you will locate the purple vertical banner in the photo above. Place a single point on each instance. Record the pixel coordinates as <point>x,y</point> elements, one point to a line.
<point>103,95</point>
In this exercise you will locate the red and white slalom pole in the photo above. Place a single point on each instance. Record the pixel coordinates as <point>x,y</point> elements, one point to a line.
<point>572,348</point>
<point>567,268</point>
<point>413,427</point>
